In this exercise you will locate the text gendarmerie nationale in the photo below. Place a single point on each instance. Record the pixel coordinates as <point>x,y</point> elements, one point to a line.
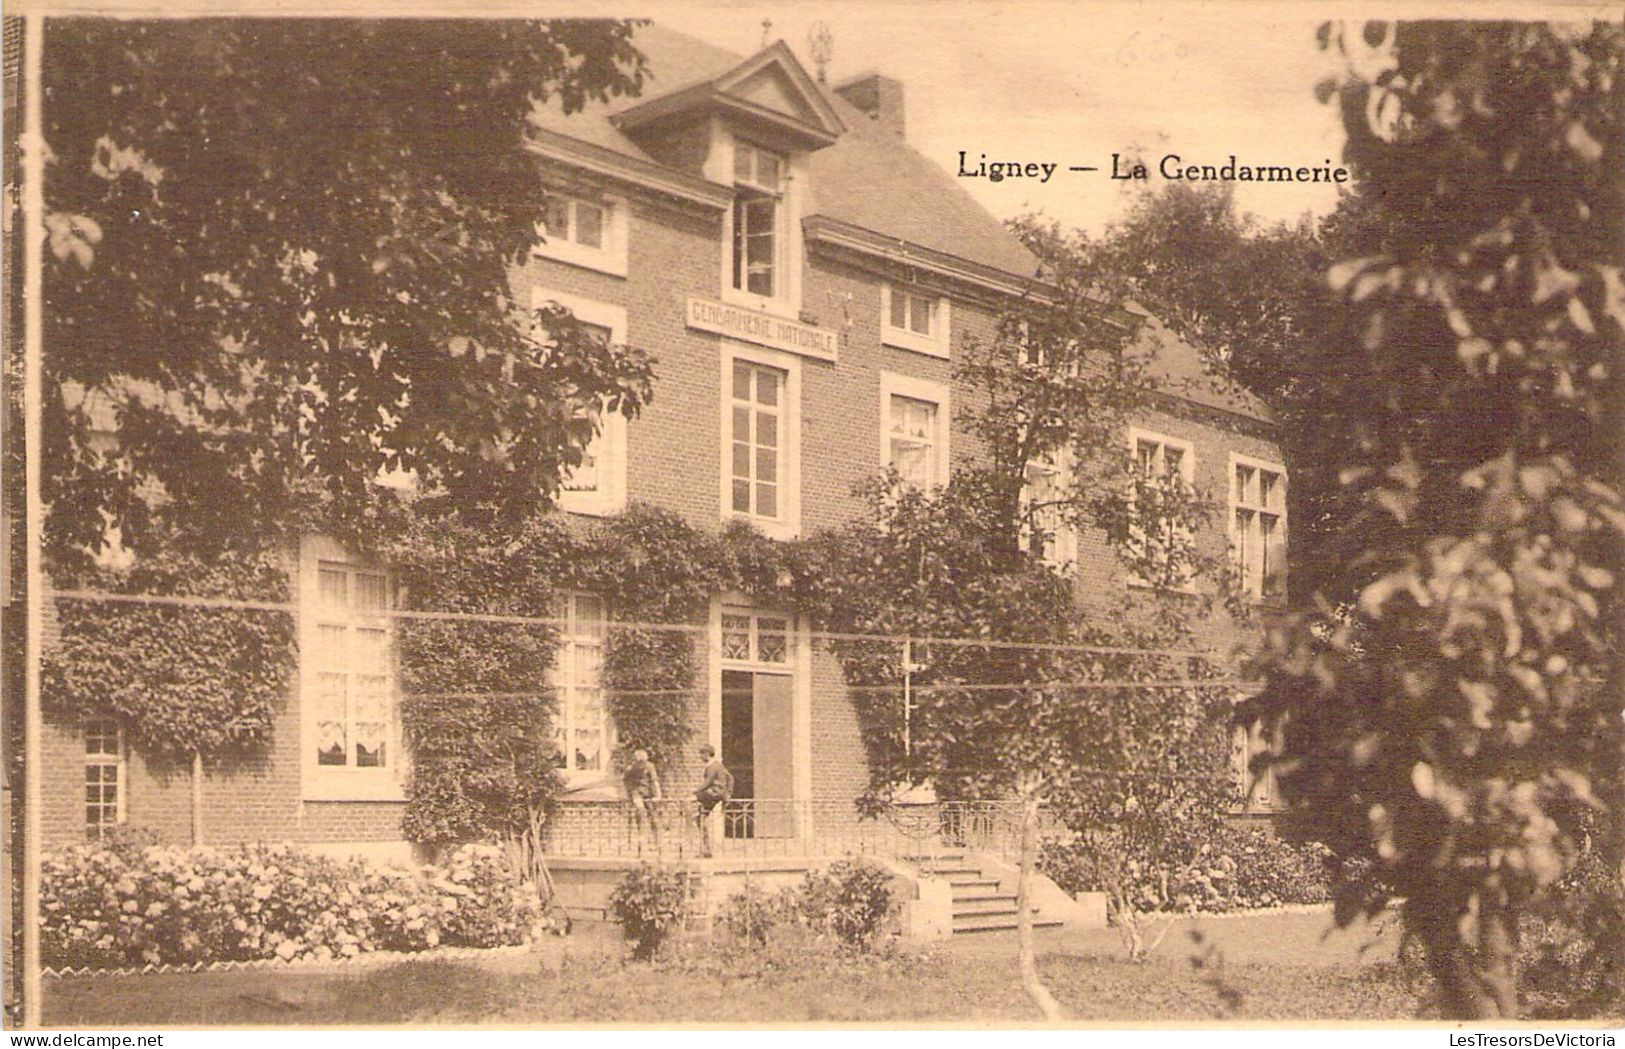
<point>1532,1041</point>
<point>1171,166</point>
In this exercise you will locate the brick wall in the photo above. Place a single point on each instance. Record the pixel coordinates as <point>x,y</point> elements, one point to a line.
<point>673,461</point>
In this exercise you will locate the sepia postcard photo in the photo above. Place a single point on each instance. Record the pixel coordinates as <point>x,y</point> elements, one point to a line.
<point>981,514</point>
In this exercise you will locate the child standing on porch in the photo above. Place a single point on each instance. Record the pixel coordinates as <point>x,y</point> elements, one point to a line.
<point>642,787</point>
<point>716,788</point>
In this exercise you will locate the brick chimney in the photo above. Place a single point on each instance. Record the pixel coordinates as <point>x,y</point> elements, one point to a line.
<point>879,96</point>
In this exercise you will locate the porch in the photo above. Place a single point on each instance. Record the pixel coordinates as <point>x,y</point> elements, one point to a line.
<point>766,828</point>
<point>953,864</point>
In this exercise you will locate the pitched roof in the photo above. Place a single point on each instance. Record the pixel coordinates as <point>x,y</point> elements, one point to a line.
<point>1183,373</point>
<point>869,178</point>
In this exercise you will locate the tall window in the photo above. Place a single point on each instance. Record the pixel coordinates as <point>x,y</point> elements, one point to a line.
<point>1258,527</point>
<point>1160,538</point>
<point>591,475</point>
<point>351,668</point>
<point>104,776</point>
<point>1050,536</point>
<point>581,730</point>
<point>758,396</point>
<point>597,485</point>
<point>913,448</point>
<point>758,190</point>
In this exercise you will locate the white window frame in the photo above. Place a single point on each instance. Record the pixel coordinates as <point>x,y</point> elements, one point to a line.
<point>788,239</point>
<point>907,386</point>
<point>1061,552</point>
<point>787,525</point>
<point>786,666</point>
<point>343,782</point>
<point>936,342</point>
<point>610,497</point>
<point>611,254</point>
<point>568,684</point>
<point>1187,470</point>
<point>118,761</point>
<point>1280,513</point>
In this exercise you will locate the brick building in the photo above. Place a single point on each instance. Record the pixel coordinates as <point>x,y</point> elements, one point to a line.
<point>803,277</point>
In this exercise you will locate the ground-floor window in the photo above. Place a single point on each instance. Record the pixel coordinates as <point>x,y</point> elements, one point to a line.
<point>104,776</point>
<point>581,729</point>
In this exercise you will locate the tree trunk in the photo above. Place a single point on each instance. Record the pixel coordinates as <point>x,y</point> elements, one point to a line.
<point>1498,957</point>
<point>1473,985</point>
<point>1031,982</point>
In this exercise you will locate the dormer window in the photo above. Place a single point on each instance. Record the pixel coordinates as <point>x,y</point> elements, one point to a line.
<point>758,189</point>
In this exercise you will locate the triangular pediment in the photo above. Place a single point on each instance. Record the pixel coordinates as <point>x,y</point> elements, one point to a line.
<point>769,88</point>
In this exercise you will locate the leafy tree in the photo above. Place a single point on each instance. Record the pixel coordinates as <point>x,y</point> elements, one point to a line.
<point>279,261</point>
<point>1055,383</point>
<point>1452,726</point>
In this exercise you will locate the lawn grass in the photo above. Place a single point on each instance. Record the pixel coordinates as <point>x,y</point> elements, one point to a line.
<point>1250,970</point>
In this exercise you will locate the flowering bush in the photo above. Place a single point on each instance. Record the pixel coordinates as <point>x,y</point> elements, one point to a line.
<point>1239,867</point>
<point>108,908</point>
<point>650,903</point>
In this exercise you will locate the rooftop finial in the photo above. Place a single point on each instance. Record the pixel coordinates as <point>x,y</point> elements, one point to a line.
<point>767,31</point>
<point>821,42</point>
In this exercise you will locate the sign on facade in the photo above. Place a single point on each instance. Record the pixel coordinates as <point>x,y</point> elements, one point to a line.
<point>764,329</point>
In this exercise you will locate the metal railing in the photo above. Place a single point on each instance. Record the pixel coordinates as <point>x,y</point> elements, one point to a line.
<point>762,828</point>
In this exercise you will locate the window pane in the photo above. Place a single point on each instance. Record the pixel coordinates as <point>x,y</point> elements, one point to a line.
<point>767,429</point>
<point>741,463</point>
<point>767,500</point>
<point>372,651</point>
<point>741,497</point>
<point>741,381</point>
<point>1173,461</point>
<point>1269,495</point>
<point>735,636</point>
<point>772,645</point>
<point>584,476</point>
<point>332,739</point>
<point>767,387</point>
<point>1146,452</point>
<point>742,162</point>
<point>334,587</point>
<point>767,169</point>
<point>742,424</point>
<point>372,714</point>
<point>767,464</point>
<point>371,591</point>
<point>899,309</point>
<point>590,615</point>
<point>556,218</point>
<point>589,225</point>
<point>101,737</point>
<point>920,314</point>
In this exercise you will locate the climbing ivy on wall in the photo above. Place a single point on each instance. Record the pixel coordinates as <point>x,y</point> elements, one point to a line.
<point>181,679</point>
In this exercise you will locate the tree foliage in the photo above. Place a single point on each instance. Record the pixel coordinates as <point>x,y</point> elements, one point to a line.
<point>1454,722</point>
<point>304,230</point>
